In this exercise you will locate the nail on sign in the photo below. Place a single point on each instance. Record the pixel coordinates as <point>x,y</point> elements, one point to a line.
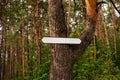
<point>57,40</point>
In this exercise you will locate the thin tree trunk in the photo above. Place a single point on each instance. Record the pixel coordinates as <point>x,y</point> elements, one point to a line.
<point>106,36</point>
<point>3,40</point>
<point>68,19</point>
<point>23,49</point>
<point>114,30</point>
<point>11,62</point>
<point>99,26</point>
<point>106,30</point>
<point>35,31</point>
<point>3,49</point>
<point>0,58</point>
<point>0,55</point>
<point>16,59</point>
<point>95,51</point>
<point>37,27</point>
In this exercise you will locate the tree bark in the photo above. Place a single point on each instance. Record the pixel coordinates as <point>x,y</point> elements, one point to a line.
<point>114,30</point>
<point>95,50</point>
<point>11,62</point>
<point>68,18</point>
<point>63,56</point>
<point>23,48</point>
<point>37,27</point>
<point>99,26</point>
<point>3,40</point>
<point>61,63</point>
<point>3,49</point>
<point>35,30</point>
<point>106,30</point>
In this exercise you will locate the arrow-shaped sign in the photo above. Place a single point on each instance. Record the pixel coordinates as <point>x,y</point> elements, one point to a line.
<point>57,40</point>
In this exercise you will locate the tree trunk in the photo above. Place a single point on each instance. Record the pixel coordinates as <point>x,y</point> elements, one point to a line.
<point>63,56</point>
<point>37,27</point>
<point>106,30</point>
<point>95,50</point>
<point>99,26</point>
<point>3,40</point>
<point>61,63</point>
<point>0,58</point>
<point>3,47</point>
<point>68,18</point>
<point>11,62</point>
<point>23,49</point>
<point>114,30</point>
<point>35,30</point>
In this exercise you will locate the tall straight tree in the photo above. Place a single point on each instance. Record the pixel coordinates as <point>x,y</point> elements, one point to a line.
<point>63,56</point>
<point>114,29</point>
<point>23,49</point>
<point>68,18</point>
<point>3,40</point>
<point>35,30</point>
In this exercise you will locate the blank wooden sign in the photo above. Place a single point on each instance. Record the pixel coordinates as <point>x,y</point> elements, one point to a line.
<point>58,40</point>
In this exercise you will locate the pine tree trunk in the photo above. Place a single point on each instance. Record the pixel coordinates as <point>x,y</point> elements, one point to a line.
<point>0,61</point>
<point>114,29</point>
<point>3,40</point>
<point>63,56</point>
<point>106,31</point>
<point>37,27</point>
<point>0,54</point>
<point>11,62</point>
<point>23,49</point>
<point>35,30</point>
<point>99,26</point>
<point>3,47</point>
<point>68,18</point>
<point>95,51</point>
<point>61,63</point>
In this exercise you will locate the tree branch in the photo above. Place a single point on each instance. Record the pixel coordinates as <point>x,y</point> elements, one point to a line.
<point>86,38</point>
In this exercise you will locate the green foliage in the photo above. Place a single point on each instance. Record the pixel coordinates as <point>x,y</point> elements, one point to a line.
<point>35,70</point>
<point>86,68</point>
<point>38,71</point>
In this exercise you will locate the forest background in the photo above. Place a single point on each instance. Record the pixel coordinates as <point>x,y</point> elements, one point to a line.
<point>23,23</point>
